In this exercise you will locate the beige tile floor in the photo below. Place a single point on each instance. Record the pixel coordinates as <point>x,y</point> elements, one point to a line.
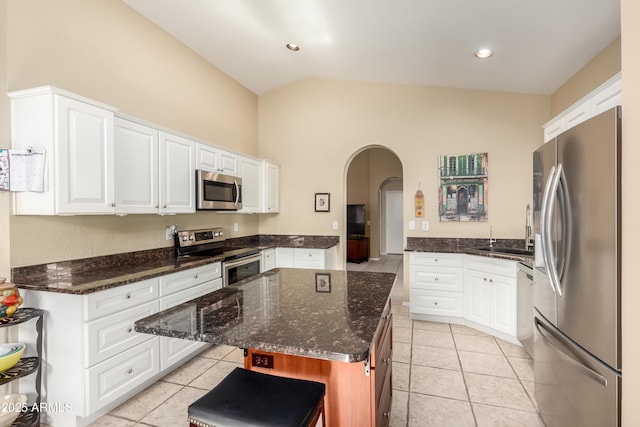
<point>443,375</point>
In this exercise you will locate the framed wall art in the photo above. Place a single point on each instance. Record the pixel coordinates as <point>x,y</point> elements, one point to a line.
<point>322,201</point>
<point>464,187</point>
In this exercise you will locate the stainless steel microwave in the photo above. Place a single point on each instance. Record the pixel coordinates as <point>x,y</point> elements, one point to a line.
<point>218,192</point>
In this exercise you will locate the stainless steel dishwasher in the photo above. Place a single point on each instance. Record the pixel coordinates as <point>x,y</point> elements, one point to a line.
<point>525,306</point>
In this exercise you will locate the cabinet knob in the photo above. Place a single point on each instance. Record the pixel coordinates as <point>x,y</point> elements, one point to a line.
<point>490,280</point>
<point>435,303</point>
<point>128,296</point>
<point>130,371</point>
<point>113,204</point>
<point>436,279</point>
<point>436,260</point>
<point>386,414</point>
<point>195,276</point>
<point>484,278</point>
<point>386,360</point>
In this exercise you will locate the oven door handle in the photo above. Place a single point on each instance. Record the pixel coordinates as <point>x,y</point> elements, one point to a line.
<point>237,192</point>
<point>241,261</point>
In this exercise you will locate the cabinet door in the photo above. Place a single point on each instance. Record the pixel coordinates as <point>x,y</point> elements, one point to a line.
<point>284,257</point>
<point>251,173</point>
<point>271,188</point>
<point>85,176</point>
<point>477,295</point>
<point>136,168</point>
<point>268,260</point>
<point>206,158</point>
<point>228,163</point>
<point>177,174</point>
<point>504,301</point>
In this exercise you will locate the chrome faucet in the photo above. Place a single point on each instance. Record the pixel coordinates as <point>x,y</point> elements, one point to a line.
<point>491,239</point>
<point>528,230</point>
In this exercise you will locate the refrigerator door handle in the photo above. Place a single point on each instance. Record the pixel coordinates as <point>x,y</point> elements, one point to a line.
<point>545,226</point>
<point>552,268</point>
<point>566,217</point>
<point>549,341</point>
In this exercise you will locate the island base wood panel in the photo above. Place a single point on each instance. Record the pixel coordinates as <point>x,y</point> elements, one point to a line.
<point>353,398</point>
<point>348,400</point>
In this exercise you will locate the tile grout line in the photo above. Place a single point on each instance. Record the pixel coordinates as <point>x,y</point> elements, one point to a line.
<point>464,379</point>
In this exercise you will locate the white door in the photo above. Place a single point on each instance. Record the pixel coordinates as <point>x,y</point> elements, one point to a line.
<point>393,225</point>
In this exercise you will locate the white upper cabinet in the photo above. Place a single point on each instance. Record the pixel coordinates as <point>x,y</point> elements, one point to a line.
<point>136,168</point>
<point>77,135</point>
<point>97,163</point>
<point>212,159</point>
<point>252,191</point>
<point>271,198</point>
<point>606,96</point>
<point>177,174</point>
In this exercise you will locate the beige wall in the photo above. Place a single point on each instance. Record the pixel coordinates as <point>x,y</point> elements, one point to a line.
<point>106,51</point>
<point>313,127</point>
<point>630,209</point>
<point>601,68</point>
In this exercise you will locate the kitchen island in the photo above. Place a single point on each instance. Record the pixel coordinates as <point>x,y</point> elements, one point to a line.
<point>322,325</point>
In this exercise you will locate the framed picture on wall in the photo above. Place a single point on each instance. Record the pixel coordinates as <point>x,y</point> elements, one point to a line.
<point>323,282</point>
<point>322,202</point>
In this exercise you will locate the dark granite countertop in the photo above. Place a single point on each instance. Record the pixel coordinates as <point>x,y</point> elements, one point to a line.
<point>283,311</point>
<point>468,246</point>
<point>88,275</point>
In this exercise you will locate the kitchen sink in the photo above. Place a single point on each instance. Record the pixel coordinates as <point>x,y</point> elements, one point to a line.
<point>506,251</point>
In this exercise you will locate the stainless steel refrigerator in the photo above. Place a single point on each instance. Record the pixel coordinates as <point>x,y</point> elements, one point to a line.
<point>577,363</point>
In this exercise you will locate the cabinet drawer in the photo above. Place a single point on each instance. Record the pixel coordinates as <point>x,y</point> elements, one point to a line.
<point>434,259</point>
<point>114,300</point>
<point>116,376</point>
<point>382,350</point>
<point>437,303</point>
<point>185,279</point>
<point>383,400</point>
<point>491,265</point>
<point>308,258</point>
<point>111,335</point>
<point>173,350</point>
<point>443,279</point>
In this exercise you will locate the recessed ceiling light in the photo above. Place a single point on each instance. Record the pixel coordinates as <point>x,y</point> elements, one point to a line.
<point>293,47</point>
<point>484,53</point>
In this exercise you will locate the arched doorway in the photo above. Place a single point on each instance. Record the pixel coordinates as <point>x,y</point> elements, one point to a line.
<point>374,179</point>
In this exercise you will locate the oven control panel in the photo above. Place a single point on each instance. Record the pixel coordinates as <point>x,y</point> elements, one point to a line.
<point>199,237</point>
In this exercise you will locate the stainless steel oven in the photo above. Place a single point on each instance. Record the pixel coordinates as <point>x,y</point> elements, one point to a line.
<point>237,262</point>
<point>240,268</point>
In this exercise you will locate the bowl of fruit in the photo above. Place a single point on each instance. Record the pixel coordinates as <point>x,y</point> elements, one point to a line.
<point>10,299</point>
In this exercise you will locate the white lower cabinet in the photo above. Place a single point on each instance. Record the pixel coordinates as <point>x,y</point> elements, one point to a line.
<point>491,293</point>
<point>194,283</point>
<point>474,290</point>
<point>436,285</point>
<point>94,359</point>
<point>268,261</point>
<point>109,380</point>
<point>320,259</point>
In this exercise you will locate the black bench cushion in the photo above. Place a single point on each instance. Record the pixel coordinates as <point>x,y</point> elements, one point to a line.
<point>247,398</point>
